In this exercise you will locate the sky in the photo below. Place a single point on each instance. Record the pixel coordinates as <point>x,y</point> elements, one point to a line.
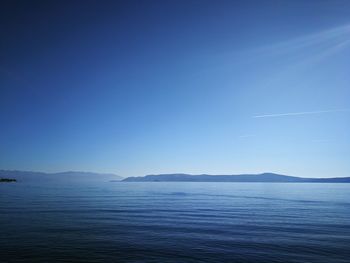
<point>148,87</point>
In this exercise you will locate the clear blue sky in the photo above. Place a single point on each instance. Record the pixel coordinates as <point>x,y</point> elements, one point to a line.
<point>139,87</point>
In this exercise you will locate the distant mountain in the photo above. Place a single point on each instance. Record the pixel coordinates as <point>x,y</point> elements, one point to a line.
<point>62,176</point>
<point>264,177</point>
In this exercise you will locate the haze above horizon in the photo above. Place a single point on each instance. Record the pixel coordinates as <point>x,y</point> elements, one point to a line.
<point>154,87</point>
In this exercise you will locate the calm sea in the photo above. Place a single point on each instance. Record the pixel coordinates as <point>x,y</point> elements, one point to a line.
<point>174,222</point>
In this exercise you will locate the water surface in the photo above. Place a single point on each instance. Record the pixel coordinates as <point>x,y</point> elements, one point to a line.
<point>174,222</point>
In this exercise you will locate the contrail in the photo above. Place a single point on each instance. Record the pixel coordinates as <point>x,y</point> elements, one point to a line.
<point>299,113</point>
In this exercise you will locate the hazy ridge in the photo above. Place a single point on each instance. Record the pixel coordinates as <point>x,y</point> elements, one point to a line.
<point>61,176</point>
<point>176,177</point>
<point>264,177</point>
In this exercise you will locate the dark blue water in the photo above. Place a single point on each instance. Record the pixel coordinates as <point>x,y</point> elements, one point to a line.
<point>174,222</point>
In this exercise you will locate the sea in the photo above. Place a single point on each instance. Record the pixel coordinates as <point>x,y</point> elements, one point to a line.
<point>174,222</point>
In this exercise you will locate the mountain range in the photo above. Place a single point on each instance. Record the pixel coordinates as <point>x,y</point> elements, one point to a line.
<point>62,176</point>
<point>70,176</point>
<point>264,177</point>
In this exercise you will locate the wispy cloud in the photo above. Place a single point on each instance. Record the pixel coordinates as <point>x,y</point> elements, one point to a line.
<point>299,113</point>
<point>323,39</point>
